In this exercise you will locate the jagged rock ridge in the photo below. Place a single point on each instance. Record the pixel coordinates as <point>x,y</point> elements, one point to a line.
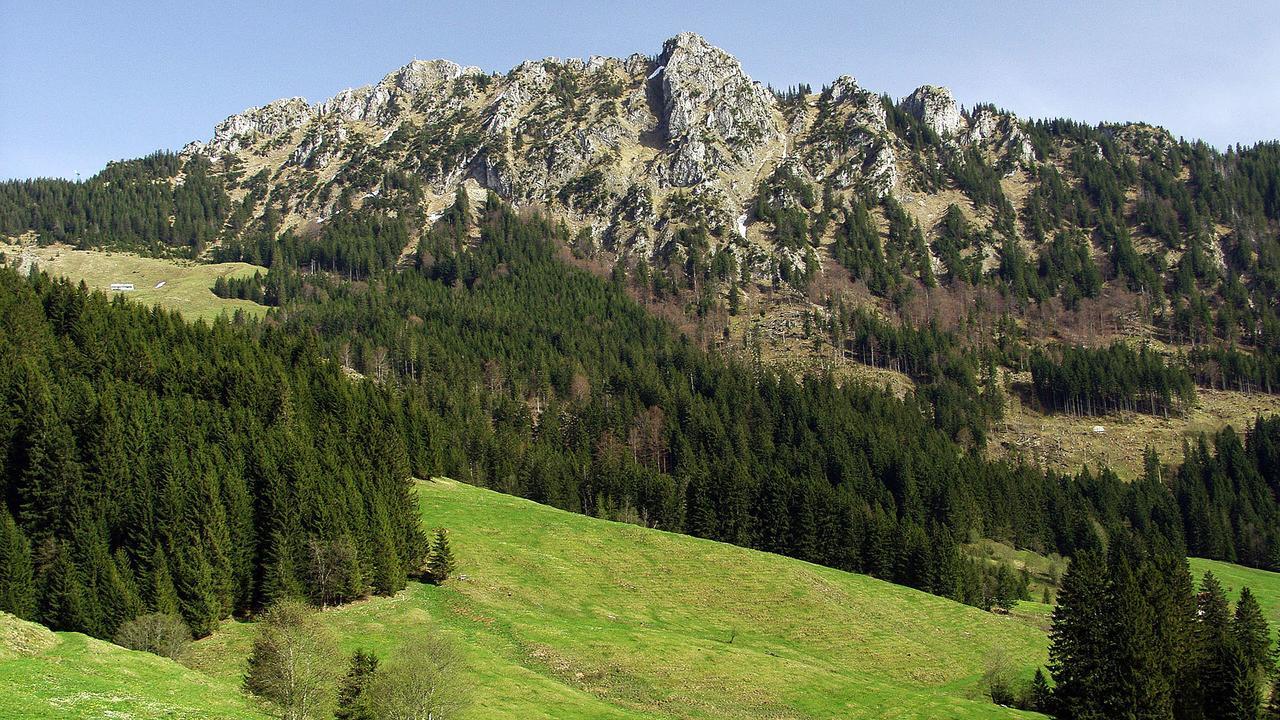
<point>631,148</point>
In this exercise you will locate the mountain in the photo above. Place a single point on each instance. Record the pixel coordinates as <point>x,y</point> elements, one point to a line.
<point>631,148</point>
<point>676,167</point>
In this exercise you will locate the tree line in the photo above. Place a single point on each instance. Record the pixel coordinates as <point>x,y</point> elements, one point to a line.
<point>1132,637</point>
<point>160,204</point>
<point>551,383</point>
<point>1096,381</point>
<point>148,465</point>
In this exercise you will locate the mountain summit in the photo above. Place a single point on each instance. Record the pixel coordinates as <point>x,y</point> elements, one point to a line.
<point>630,148</point>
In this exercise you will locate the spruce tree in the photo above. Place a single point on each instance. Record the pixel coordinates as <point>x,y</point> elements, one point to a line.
<point>388,574</point>
<point>49,480</point>
<point>17,578</point>
<point>62,596</point>
<point>352,704</point>
<point>1171,592</point>
<point>160,594</point>
<point>440,564</point>
<point>1041,694</point>
<point>1251,634</point>
<point>1216,646</point>
<point>1141,688</point>
<point>1080,641</point>
<point>198,601</point>
<point>1242,699</point>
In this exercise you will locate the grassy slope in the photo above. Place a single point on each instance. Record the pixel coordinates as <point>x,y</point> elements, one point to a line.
<point>1066,443</point>
<point>567,616</point>
<point>564,616</point>
<point>187,285</point>
<point>68,675</point>
<point>1265,585</point>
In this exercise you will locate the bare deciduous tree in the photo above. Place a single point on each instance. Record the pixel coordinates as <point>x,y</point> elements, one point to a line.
<point>158,633</point>
<point>294,664</point>
<point>423,683</point>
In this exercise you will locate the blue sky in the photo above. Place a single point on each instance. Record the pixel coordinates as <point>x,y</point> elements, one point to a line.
<point>87,82</point>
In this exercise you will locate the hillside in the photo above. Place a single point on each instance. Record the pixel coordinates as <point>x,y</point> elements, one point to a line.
<point>178,285</point>
<point>567,616</point>
<point>746,213</point>
<point>68,675</point>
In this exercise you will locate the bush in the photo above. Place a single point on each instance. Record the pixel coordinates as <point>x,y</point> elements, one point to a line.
<point>159,633</point>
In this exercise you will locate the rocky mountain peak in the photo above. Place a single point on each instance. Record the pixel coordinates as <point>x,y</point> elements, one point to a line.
<point>422,75</point>
<point>713,113</point>
<point>937,109</point>
<point>241,130</point>
<point>634,148</point>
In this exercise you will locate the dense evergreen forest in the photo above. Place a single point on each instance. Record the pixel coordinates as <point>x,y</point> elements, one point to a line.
<point>1132,637</point>
<point>150,465</point>
<point>1087,381</point>
<point>553,384</point>
<point>159,204</point>
<point>496,362</point>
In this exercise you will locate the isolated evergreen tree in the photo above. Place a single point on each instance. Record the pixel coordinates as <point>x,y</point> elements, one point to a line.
<point>352,703</point>
<point>440,564</point>
<point>1041,694</point>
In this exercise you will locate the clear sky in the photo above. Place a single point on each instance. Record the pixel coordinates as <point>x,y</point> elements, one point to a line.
<point>85,82</point>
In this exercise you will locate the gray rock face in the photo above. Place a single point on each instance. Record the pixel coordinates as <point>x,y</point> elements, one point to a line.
<point>937,109</point>
<point>239,131</point>
<point>849,143</point>
<point>709,103</point>
<point>380,103</point>
<point>630,147</point>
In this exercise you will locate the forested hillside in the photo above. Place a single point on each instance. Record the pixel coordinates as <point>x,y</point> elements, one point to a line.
<point>148,464</point>
<point>553,384</point>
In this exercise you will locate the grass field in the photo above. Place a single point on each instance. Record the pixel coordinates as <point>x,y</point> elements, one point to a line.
<point>187,285</point>
<point>68,675</point>
<point>565,616</point>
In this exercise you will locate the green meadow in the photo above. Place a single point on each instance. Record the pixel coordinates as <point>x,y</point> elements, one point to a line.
<point>566,616</point>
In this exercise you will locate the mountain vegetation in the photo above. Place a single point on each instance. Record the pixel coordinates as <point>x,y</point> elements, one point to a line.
<point>554,284</point>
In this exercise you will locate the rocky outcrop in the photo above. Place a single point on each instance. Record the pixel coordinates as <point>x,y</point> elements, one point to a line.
<point>849,144</point>
<point>937,109</point>
<point>382,102</point>
<point>712,113</point>
<point>631,148</point>
<point>242,130</point>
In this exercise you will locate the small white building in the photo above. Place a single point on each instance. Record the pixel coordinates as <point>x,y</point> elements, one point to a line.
<point>121,287</point>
